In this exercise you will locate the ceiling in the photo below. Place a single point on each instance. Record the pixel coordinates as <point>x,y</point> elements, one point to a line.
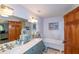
<point>48,10</point>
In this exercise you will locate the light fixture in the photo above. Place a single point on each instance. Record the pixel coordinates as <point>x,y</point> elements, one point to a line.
<point>33,19</point>
<point>5,10</point>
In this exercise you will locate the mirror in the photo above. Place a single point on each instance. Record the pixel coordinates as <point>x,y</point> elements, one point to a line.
<point>35,30</point>
<point>3,32</point>
<point>10,28</point>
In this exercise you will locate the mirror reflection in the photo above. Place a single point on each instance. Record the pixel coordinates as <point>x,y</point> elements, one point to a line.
<point>18,29</point>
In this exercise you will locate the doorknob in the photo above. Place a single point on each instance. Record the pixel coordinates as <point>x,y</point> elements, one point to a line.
<point>64,41</point>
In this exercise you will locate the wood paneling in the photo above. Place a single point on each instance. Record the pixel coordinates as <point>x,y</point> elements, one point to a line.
<point>71,32</point>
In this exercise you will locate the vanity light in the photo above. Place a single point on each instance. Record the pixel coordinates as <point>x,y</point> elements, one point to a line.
<point>5,11</point>
<point>33,20</point>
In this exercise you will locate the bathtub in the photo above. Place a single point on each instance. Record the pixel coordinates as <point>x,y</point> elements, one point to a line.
<point>54,43</point>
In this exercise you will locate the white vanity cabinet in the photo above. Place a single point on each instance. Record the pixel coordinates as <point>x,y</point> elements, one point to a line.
<point>35,46</point>
<point>37,49</point>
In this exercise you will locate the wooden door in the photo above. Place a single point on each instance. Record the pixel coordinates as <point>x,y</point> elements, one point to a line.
<point>71,30</point>
<point>14,30</point>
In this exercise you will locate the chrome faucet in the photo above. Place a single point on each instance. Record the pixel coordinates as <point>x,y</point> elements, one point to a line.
<point>2,49</point>
<point>9,46</point>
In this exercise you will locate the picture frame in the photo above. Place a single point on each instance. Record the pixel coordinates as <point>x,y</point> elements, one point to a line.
<point>53,26</point>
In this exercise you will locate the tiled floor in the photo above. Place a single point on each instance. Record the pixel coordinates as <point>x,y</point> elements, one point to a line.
<point>52,51</point>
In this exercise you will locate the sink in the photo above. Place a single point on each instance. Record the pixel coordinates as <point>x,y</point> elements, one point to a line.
<point>7,46</point>
<point>10,45</point>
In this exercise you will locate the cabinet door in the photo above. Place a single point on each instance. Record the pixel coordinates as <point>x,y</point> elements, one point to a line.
<point>37,49</point>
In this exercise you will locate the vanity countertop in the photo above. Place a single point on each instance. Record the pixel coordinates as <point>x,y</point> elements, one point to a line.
<point>23,48</point>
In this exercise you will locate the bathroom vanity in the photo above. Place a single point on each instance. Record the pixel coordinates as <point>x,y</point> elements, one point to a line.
<point>34,46</point>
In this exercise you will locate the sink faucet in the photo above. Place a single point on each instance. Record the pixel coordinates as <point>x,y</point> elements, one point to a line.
<point>2,49</point>
<point>8,46</point>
